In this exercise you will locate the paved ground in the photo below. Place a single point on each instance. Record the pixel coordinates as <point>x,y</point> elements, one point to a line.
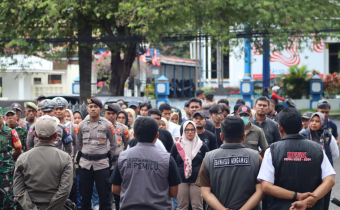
<point>336,188</point>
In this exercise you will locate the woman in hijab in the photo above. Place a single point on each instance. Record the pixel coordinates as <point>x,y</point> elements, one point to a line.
<point>131,121</point>
<point>69,115</point>
<point>317,131</point>
<point>164,124</point>
<point>77,117</point>
<point>122,105</point>
<point>122,117</point>
<point>174,117</point>
<point>188,153</point>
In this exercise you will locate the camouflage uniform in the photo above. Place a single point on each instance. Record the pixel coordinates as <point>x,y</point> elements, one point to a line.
<point>22,132</point>
<point>9,141</point>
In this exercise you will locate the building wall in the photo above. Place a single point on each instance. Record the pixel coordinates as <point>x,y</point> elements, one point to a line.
<point>71,74</point>
<point>10,86</point>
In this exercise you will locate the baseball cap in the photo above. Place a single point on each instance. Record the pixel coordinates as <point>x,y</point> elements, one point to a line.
<point>323,101</point>
<point>47,105</point>
<point>307,115</point>
<point>31,105</point>
<point>61,102</point>
<point>201,113</point>
<point>9,110</point>
<point>244,110</point>
<point>46,126</point>
<point>16,106</point>
<point>111,107</point>
<point>96,101</point>
<point>133,103</point>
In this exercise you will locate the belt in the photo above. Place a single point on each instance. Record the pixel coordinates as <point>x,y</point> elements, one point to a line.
<point>94,157</point>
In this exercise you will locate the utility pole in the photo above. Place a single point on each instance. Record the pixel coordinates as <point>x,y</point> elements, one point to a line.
<point>138,82</point>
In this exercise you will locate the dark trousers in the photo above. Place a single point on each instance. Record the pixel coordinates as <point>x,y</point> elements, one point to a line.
<point>117,201</point>
<point>87,178</point>
<point>73,193</point>
<point>326,200</point>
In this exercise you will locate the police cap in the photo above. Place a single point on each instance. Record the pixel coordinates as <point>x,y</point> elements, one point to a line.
<point>16,106</point>
<point>111,107</point>
<point>96,101</point>
<point>61,102</point>
<point>47,105</point>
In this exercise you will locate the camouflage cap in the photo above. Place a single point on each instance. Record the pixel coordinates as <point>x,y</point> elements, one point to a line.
<point>31,105</point>
<point>9,110</point>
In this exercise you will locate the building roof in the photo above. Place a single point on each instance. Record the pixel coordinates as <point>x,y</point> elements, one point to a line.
<point>32,64</point>
<point>171,60</point>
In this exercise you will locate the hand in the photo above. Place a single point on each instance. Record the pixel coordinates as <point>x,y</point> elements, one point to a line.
<point>310,204</point>
<point>303,196</point>
<point>299,205</point>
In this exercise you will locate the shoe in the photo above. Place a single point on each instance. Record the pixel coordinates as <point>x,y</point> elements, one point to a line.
<point>96,208</point>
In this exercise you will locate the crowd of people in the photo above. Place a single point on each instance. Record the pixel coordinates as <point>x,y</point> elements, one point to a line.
<point>134,156</point>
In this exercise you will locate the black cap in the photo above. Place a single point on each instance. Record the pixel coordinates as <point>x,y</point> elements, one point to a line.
<point>307,115</point>
<point>111,107</point>
<point>236,107</point>
<point>95,101</point>
<point>40,97</point>
<point>241,101</point>
<point>201,113</point>
<point>244,109</point>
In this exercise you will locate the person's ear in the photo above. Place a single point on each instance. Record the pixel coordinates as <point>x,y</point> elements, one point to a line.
<point>222,138</point>
<point>244,137</point>
<point>55,136</point>
<point>281,129</point>
<point>156,137</point>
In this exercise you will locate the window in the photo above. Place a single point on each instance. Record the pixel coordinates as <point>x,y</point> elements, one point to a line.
<point>37,81</point>
<point>54,79</point>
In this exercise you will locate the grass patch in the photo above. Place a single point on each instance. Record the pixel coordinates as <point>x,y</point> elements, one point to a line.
<point>312,110</point>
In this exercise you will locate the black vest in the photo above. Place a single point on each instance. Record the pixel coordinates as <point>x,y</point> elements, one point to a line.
<point>297,164</point>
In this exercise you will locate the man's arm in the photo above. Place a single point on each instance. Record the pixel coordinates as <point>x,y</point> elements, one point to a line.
<point>334,149</point>
<point>112,138</point>
<point>116,189</point>
<point>263,141</point>
<point>281,193</point>
<point>30,139</point>
<point>254,199</point>
<point>19,190</point>
<point>125,136</point>
<point>116,179</point>
<point>16,144</point>
<point>174,179</point>
<point>79,144</point>
<point>211,199</point>
<point>66,181</point>
<point>277,136</point>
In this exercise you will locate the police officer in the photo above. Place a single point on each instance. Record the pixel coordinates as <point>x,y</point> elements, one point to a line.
<point>60,113</point>
<point>11,122</point>
<point>22,122</point>
<point>93,137</point>
<point>30,112</point>
<point>222,175</point>
<point>64,139</point>
<point>43,176</point>
<point>295,169</point>
<point>10,149</point>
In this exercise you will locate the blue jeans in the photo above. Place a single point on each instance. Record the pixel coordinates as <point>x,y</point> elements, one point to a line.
<point>95,198</point>
<point>175,203</point>
<point>78,194</point>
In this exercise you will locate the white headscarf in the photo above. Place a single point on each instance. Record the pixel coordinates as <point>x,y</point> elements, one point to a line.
<point>71,114</point>
<point>166,123</point>
<point>188,149</point>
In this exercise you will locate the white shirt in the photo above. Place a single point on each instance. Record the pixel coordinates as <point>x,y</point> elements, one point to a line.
<point>158,144</point>
<point>333,146</point>
<point>267,170</point>
<point>174,130</point>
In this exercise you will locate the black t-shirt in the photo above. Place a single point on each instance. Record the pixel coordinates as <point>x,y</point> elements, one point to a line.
<point>209,139</point>
<point>218,137</point>
<point>164,136</point>
<point>166,139</point>
<point>174,177</point>
<point>209,126</point>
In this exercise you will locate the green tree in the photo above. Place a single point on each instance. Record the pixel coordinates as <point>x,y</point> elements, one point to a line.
<point>297,82</point>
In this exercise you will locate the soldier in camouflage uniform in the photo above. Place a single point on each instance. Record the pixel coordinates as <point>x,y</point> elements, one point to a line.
<point>11,122</point>
<point>22,122</point>
<point>10,149</point>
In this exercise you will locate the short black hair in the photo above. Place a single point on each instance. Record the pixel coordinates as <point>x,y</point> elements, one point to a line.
<point>232,128</point>
<point>164,106</point>
<point>324,106</point>
<point>199,92</point>
<point>290,119</point>
<point>262,98</point>
<point>225,101</point>
<point>154,111</point>
<point>195,100</point>
<point>225,108</point>
<point>143,124</point>
<point>209,96</point>
<point>241,101</point>
<point>271,101</point>
<point>214,109</point>
<point>148,106</point>
<point>236,107</point>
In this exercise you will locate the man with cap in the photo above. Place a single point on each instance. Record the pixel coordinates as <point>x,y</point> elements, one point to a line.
<point>11,122</point>
<point>64,139</point>
<point>39,99</point>
<point>135,106</point>
<point>324,107</point>
<point>49,188</point>
<point>10,149</point>
<point>17,108</point>
<point>207,137</point>
<point>228,174</point>
<point>96,145</point>
<point>30,112</point>
<point>122,136</point>
<point>305,119</point>
<point>255,137</point>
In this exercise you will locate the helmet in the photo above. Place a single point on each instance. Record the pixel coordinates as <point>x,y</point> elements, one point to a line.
<point>276,89</point>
